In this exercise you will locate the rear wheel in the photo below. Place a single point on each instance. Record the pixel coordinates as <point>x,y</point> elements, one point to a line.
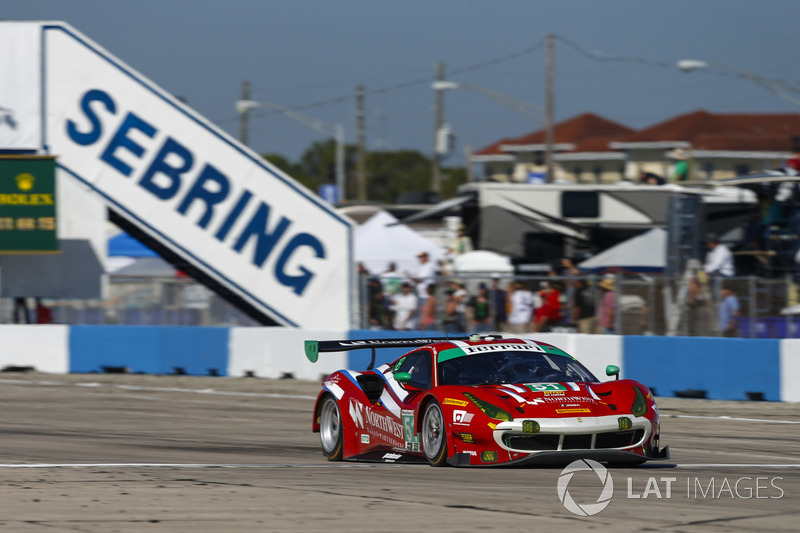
<point>434,437</point>
<point>330,429</point>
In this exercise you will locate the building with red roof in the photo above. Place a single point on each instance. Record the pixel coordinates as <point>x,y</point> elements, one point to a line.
<point>592,149</point>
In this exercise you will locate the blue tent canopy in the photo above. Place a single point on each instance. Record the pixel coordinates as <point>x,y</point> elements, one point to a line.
<point>125,245</point>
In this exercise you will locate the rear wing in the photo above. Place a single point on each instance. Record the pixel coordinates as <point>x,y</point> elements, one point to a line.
<point>314,348</point>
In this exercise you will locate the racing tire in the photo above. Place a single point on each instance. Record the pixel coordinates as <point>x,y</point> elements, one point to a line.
<point>330,429</point>
<point>434,435</point>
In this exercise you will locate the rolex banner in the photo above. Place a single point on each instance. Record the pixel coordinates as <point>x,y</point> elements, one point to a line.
<point>28,204</point>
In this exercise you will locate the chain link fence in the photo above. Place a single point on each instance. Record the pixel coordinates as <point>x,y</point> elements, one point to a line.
<point>645,304</point>
<point>136,301</point>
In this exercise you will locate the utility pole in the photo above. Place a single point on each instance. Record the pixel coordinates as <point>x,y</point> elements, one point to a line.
<point>243,113</point>
<point>549,104</point>
<point>438,122</point>
<point>361,162</point>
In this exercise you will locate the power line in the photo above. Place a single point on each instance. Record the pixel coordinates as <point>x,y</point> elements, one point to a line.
<point>398,86</point>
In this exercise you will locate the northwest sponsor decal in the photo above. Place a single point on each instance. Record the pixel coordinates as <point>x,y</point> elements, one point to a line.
<point>364,416</point>
<point>563,400</point>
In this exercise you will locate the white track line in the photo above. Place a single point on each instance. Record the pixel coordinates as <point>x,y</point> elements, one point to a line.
<point>357,465</point>
<point>184,465</point>
<point>733,419</point>
<point>160,389</point>
<point>736,465</point>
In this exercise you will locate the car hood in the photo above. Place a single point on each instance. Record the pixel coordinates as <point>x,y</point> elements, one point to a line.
<point>557,399</point>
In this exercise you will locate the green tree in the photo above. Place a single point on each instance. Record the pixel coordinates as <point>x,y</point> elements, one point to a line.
<point>451,179</point>
<point>292,169</point>
<point>389,174</point>
<point>392,173</point>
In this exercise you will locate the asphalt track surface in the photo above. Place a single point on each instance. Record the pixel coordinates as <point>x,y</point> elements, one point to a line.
<point>129,453</point>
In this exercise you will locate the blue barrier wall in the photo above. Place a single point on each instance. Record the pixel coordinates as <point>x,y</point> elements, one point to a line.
<point>198,351</point>
<point>726,368</point>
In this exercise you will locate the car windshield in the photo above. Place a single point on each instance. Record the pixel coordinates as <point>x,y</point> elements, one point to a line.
<point>511,367</point>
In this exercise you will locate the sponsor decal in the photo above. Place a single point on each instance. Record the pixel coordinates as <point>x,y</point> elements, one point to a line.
<point>561,400</point>
<point>545,387</point>
<point>502,348</point>
<point>453,401</point>
<point>391,457</point>
<point>573,410</point>
<point>357,413</point>
<point>462,418</point>
<point>364,438</point>
<point>410,430</point>
<point>364,416</point>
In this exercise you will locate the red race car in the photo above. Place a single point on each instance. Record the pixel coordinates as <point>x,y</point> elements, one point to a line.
<point>481,401</point>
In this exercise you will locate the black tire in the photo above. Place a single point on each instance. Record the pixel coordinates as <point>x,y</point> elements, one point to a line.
<point>330,429</point>
<point>434,435</point>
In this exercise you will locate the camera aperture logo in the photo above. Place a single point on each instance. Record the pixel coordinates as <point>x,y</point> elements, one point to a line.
<point>658,488</point>
<point>585,509</point>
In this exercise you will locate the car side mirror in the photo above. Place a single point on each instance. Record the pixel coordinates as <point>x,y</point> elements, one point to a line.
<point>612,370</point>
<point>402,377</point>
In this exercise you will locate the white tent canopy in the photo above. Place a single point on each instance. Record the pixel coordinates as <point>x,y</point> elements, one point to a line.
<point>482,261</point>
<point>381,240</point>
<point>644,253</point>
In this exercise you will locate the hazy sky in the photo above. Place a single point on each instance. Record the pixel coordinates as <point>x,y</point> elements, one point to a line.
<point>310,54</point>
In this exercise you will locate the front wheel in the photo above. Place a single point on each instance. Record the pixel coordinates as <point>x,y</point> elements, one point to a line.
<point>434,435</point>
<point>330,429</point>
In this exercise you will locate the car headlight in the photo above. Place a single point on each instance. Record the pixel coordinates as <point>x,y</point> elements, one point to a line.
<point>639,407</point>
<point>492,411</point>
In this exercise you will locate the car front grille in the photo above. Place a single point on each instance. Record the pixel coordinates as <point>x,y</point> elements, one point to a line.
<point>580,441</point>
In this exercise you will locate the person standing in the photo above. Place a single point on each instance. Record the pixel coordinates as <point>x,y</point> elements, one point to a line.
<point>680,171</point>
<point>521,308</point>
<point>719,260</point>
<point>404,306</point>
<point>479,311</point>
<point>426,275</point>
<point>549,313</point>
<point>427,313</point>
<point>583,308</point>
<point>606,312</point>
<point>391,279</point>
<point>498,302</point>
<point>728,313</point>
